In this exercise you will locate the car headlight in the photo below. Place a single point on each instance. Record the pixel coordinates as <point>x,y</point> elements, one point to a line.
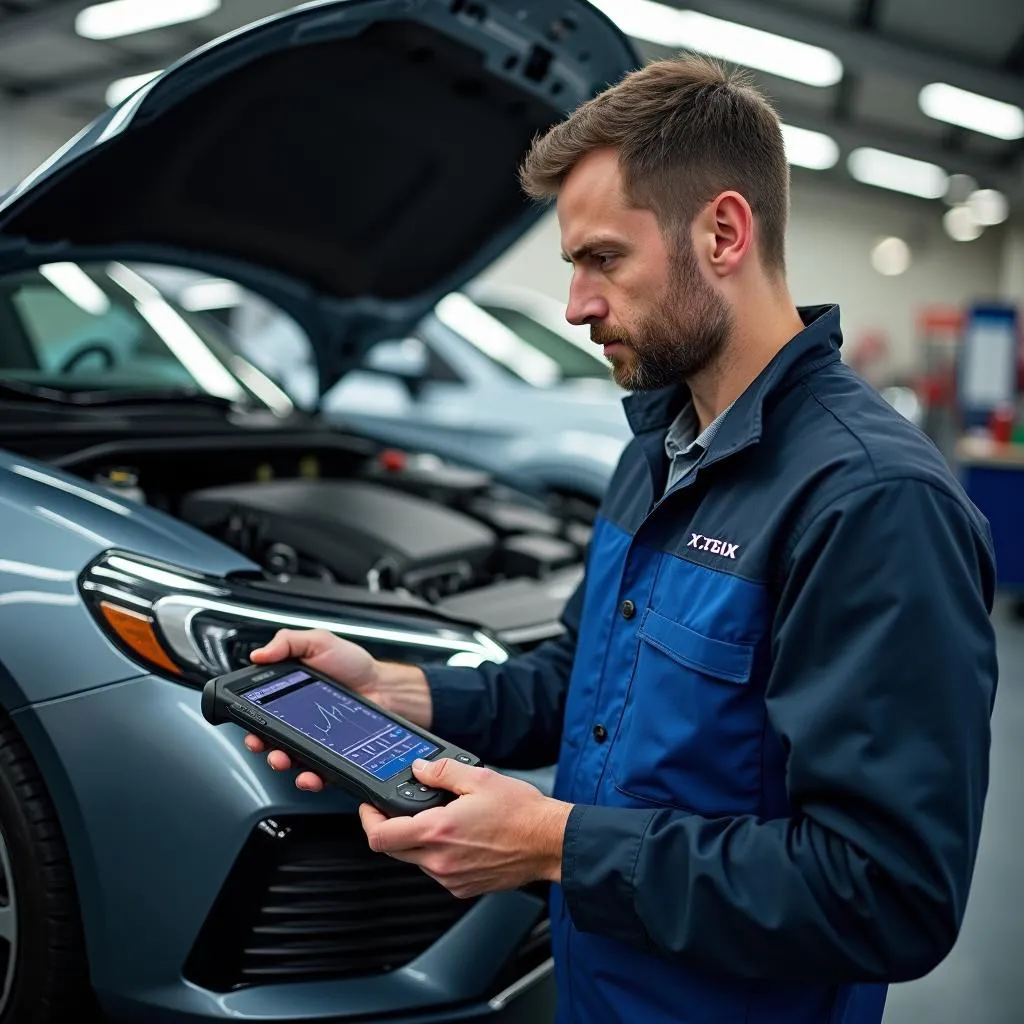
<point>189,627</point>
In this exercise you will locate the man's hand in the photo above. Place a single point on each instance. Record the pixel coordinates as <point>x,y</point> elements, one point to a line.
<point>500,833</point>
<point>401,688</point>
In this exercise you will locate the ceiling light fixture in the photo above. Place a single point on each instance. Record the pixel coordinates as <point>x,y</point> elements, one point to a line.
<point>969,110</point>
<point>805,148</point>
<point>77,287</point>
<point>890,256</point>
<point>124,87</point>
<point>899,173</point>
<point>988,206</point>
<point>127,17</point>
<point>739,44</point>
<point>960,225</point>
<point>211,293</point>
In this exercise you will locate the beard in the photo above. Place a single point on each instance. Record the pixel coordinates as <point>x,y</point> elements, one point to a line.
<point>681,337</point>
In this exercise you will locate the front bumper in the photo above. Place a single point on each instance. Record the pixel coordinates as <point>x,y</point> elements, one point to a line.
<point>158,806</point>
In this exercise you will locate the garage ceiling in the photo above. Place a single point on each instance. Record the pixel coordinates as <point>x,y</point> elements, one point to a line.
<point>889,50</point>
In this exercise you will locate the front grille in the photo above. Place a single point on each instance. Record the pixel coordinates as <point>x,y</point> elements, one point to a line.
<point>308,901</point>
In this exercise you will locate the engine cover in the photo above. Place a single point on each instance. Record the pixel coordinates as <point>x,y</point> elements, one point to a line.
<point>359,531</point>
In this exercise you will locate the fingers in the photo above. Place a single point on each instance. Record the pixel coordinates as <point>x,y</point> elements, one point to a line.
<point>292,643</point>
<point>277,649</point>
<point>310,782</point>
<point>370,817</point>
<point>448,774</point>
<point>279,761</point>
<point>394,836</point>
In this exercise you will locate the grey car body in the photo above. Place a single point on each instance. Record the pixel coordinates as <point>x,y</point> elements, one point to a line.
<point>541,413</point>
<point>146,857</point>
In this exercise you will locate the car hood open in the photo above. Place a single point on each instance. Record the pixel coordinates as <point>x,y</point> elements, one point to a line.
<point>351,160</point>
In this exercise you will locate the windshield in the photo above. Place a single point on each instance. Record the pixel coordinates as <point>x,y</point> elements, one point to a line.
<point>573,362</point>
<point>104,327</point>
<point>518,344</point>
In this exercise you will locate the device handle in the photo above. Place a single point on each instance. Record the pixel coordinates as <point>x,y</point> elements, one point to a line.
<point>213,701</point>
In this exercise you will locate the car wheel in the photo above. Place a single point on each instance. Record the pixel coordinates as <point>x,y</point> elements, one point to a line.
<point>44,976</point>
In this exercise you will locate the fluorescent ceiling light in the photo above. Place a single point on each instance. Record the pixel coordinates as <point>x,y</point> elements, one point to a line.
<point>495,340</point>
<point>260,384</point>
<point>891,257</point>
<point>77,287</point>
<point>176,333</point>
<point>211,294</point>
<point>969,110</point>
<point>666,26</point>
<point>126,17</point>
<point>809,149</point>
<point>899,173</point>
<point>988,206</point>
<point>124,87</point>
<point>960,225</point>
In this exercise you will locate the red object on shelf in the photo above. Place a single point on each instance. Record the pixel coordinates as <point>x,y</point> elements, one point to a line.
<point>393,460</point>
<point>1000,424</point>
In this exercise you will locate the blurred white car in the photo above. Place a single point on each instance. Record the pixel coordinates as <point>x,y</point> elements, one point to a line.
<point>497,385</point>
<point>494,377</point>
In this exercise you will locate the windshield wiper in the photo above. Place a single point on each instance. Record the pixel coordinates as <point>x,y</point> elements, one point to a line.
<point>94,398</point>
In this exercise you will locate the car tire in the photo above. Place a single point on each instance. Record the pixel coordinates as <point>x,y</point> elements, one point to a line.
<point>50,983</point>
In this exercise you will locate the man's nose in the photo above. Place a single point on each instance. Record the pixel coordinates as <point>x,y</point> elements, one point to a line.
<point>585,306</point>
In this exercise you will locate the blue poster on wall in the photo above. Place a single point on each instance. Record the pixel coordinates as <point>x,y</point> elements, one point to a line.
<point>987,368</point>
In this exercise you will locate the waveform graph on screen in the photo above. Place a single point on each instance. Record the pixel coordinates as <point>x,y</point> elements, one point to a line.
<point>355,732</point>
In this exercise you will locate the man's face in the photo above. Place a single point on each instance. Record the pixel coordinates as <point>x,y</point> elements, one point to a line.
<point>643,296</point>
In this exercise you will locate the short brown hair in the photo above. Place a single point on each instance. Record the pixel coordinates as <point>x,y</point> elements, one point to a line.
<point>685,130</point>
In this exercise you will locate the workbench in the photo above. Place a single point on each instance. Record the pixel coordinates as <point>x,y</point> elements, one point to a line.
<point>993,476</point>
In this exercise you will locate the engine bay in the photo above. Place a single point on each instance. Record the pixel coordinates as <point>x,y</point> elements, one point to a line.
<point>344,512</point>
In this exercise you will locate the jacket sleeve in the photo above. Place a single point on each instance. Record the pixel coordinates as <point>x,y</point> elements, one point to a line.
<point>881,691</point>
<point>510,714</point>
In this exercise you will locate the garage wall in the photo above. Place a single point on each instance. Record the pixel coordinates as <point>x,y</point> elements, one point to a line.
<point>28,135</point>
<point>1011,272</point>
<point>832,231</point>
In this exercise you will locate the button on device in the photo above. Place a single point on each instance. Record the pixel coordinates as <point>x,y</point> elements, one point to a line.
<point>410,789</point>
<point>600,733</point>
<point>628,609</point>
<point>464,758</point>
<point>250,713</point>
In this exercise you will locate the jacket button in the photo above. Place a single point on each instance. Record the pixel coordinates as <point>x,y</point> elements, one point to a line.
<point>628,609</point>
<point>600,733</point>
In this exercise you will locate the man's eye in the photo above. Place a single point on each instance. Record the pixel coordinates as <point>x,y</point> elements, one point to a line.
<point>605,260</point>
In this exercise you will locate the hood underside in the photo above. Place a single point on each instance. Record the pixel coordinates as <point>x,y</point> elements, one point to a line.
<point>353,161</point>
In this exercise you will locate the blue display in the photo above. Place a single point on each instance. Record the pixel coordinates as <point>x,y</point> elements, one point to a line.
<point>347,727</point>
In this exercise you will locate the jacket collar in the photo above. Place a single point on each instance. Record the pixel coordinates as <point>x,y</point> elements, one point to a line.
<point>817,344</point>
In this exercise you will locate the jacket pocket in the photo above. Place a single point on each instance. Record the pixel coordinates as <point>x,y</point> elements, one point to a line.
<point>693,722</point>
<point>717,659</point>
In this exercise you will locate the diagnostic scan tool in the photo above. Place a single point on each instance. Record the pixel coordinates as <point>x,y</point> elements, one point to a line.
<point>343,737</point>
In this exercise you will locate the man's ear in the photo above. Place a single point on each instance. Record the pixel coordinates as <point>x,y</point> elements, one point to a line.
<point>725,230</point>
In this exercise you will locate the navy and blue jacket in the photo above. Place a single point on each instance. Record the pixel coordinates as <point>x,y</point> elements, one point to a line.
<point>770,707</point>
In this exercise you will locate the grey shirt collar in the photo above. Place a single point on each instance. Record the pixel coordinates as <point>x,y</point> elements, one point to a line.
<point>684,446</point>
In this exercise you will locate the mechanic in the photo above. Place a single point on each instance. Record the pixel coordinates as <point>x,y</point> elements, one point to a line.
<point>771,703</point>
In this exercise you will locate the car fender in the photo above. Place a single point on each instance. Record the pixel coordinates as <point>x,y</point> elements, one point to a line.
<point>51,646</point>
<point>568,460</point>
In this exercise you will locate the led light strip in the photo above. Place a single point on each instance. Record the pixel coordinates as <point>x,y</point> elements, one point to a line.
<point>174,614</point>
